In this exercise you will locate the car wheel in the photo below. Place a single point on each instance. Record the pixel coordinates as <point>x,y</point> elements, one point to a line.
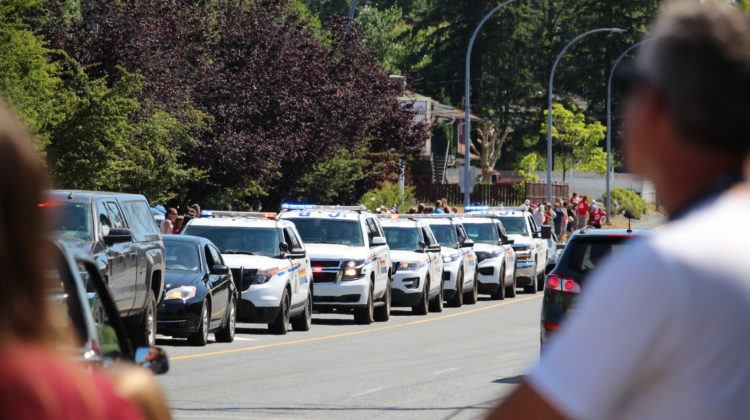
<point>366,315</point>
<point>458,298</point>
<point>200,336</point>
<point>531,289</point>
<point>143,333</point>
<point>473,296</point>
<point>540,282</point>
<point>303,321</point>
<point>422,307</point>
<point>383,313</point>
<point>511,290</point>
<point>499,294</point>
<point>436,304</point>
<point>280,325</point>
<point>225,334</point>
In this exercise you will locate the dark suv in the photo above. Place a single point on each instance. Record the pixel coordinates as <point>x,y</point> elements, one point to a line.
<point>125,242</point>
<point>584,251</point>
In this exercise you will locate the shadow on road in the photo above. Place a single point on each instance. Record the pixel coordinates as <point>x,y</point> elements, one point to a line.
<point>514,380</point>
<point>175,342</point>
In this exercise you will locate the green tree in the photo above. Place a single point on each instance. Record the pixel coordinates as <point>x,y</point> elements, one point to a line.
<point>577,141</point>
<point>389,38</point>
<point>389,194</point>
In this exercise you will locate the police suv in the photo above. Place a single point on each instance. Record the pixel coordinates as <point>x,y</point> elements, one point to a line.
<point>417,264</point>
<point>351,262</point>
<point>268,263</point>
<point>496,269</point>
<point>460,282</point>
<point>530,246</point>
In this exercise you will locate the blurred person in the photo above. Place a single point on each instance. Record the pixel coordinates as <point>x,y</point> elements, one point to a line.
<point>574,199</point>
<point>537,214</point>
<point>227,207</point>
<point>178,223</point>
<point>412,210</point>
<point>38,380</point>
<point>167,225</point>
<point>420,208</point>
<point>429,210</point>
<point>454,210</point>
<point>196,209</point>
<point>570,210</point>
<point>438,207</point>
<point>674,343</point>
<point>561,218</point>
<point>582,212</point>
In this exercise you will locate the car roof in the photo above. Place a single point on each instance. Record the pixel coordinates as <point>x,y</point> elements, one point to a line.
<point>239,222</point>
<point>588,233</point>
<point>78,196</point>
<point>477,219</point>
<point>401,222</point>
<point>185,238</point>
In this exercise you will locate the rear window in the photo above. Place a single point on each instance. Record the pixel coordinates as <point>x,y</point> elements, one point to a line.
<point>402,239</point>
<point>72,220</point>
<point>485,233</point>
<point>445,234</point>
<point>585,254</point>
<point>239,240</point>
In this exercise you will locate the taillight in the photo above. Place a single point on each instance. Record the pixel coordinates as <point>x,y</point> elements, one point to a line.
<point>563,284</point>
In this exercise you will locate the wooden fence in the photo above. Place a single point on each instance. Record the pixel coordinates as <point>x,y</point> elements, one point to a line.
<point>490,194</point>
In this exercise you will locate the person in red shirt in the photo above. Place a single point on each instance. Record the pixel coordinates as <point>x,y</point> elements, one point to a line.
<point>574,199</point>
<point>38,380</point>
<point>596,217</point>
<point>582,212</point>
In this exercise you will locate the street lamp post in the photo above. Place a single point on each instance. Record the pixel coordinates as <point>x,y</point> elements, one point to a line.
<point>549,102</point>
<point>609,126</point>
<point>351,10</point>
<point>467,102</point>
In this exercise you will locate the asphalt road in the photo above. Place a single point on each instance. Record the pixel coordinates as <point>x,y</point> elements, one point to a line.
<point>449,365</point>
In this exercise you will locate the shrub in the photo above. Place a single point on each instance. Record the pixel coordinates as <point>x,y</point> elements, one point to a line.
<point>630,212</point>
<point>630,200</point>
<point>388,195</point>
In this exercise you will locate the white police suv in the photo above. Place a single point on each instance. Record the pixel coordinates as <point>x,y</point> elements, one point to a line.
<point>497,261</point>
<point>269,265</point>
<point>417,264</point>
<point>460,282</point>
<point>530,246</point>
<point>351,262</point>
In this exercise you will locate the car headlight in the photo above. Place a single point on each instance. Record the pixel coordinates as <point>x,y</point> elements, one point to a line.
<point>483,255</point>
<point>263,276</point>
<point>182,292</point>
<point>409,266</point>
<point>353,269</point>
<point>451,258</point>
<point>521,248</point>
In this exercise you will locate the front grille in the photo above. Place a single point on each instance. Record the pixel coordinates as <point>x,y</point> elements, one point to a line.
<point>446,275</point>
<point>326,263</point>
<point>487,271</point>
<point>336,299</point>
<point>325,277</point>
<point>243,277</point>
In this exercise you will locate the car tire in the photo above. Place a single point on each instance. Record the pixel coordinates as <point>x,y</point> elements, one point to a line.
<point>143,333</point>
<point>511,290</point>
<point>540,282</point>
<point>383,313</point>
<point>472,297</point>
<point>436,304</point>
<point>499,294</point>
<point>458,299</point>
<point>200,336</point>
<point>225,334</point>
<point>531,289</point>
<point>366,315</point>
<point>280,325</point>
<point>423,306</point>
<point>303,321</point>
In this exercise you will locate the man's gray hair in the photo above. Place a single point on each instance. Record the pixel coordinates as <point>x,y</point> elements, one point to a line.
<point>698,57</point>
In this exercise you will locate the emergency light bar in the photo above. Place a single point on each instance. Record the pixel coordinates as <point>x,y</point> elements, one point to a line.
<point>293,206</point>
<point>491,209</point>
<point>249,214</point>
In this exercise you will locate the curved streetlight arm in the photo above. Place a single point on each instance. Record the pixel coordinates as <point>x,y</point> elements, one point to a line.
<point>549,101</point>
<point>467,101</point>
<point>609,125</point>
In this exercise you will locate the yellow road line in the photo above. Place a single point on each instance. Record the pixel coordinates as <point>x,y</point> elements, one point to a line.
<point>352,333</point>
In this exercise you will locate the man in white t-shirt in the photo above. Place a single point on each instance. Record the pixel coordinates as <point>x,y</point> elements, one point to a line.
<point>661,330</point>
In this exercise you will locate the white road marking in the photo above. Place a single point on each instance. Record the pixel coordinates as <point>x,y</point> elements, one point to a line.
<point>440,372</point>
<point>369,391</point>
<point>245,339</point>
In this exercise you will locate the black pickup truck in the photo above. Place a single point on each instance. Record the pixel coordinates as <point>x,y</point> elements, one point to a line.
<point>126,245</point>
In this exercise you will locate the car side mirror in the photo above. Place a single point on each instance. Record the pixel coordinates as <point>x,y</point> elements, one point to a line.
<point>296,253</point>
<point>468,243</point>
<point>422,246</point>
<point>378,241</point>
<point>433,248</point>
<point>153,358</point>
<point>560,246</point>
<point>284,247</point>
<point>118,236</point>
<point>507,241</point>
<point>546,232</point>
<point>536,235</point>
<point>219,269</point>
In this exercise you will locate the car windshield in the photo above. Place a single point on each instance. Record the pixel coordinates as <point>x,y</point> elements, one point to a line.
<point>182,256</point>
<point>240,240</point>
<point>584,254</point>
<point>482,232</point>
<point>72,220</point>
<point>402,239</point>
<point>445,235</point>
<point>329,231</point>
<point>515,225</point>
